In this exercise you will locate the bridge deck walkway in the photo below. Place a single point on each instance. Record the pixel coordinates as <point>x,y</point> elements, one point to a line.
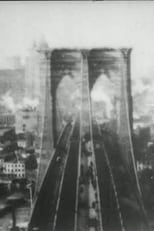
<point>45,206</point>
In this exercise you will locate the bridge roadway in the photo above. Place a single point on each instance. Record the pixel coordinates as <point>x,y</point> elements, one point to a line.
<point>110,215</point>
<point>45,206</point>
<point>56,204</point>
<point>65,213</point>
<point>120,206</point>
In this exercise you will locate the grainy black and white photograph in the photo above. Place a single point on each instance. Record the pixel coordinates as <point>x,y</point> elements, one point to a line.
<point>76,116</point>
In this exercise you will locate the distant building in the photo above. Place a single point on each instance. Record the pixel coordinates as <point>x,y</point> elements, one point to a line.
<point>141,166</point>
<point>13,81</point>
<point>26,120</point>
<point>142,121</point>
<point>33,70</point>
<point>10,63</point>
<point>4,130</point>
<point>7,120</point>
<point>16,170</point>
<point>37,70</point>
<point>30,140</point>
<point>25,140</point>
<point>14,62</point>
<point>1,163</point>
<point>21,143</point>
<point>152,131</point>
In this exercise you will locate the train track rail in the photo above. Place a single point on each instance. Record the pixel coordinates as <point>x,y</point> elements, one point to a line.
<point>88,211</point>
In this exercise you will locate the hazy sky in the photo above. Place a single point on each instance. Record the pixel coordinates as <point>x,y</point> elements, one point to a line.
<point>81,24</point>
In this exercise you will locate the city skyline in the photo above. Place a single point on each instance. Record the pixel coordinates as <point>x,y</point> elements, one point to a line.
<point>83,25</point>
<point>80,116</point>
<point>91,25</point>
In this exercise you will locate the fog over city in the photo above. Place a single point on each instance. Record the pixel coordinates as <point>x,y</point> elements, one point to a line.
<point>8,101</point>
<point>76,25</point>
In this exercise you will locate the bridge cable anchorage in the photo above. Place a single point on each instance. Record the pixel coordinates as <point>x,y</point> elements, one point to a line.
<point>131,146</point>
<point>113,183</point>
<point>61,182</point>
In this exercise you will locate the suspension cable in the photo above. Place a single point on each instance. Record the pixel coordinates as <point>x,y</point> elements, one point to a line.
<point>42,127</point>
<point>124,70</point>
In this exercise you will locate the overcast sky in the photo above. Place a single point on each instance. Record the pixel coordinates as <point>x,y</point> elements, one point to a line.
<point>81,24</point>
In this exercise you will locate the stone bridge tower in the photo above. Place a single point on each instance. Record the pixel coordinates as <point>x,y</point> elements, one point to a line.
<point>61,70</point>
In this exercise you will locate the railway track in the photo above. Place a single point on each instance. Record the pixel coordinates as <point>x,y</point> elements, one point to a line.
<point>66,210</point>
<point>111,211</point>
<point>121,209</point>
<point>88,210</point>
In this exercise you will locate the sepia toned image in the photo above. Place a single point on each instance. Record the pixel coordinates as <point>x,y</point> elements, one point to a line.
<point>76,116</point>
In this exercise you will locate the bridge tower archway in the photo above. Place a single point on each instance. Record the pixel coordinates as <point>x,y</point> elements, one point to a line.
<point>109,68</point>
<point>65,73</point>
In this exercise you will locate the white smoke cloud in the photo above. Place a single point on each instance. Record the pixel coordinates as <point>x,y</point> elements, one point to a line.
<point>103,91</point>
<point>27,102</point>
<point>143,94</point>
<point>8,102</point>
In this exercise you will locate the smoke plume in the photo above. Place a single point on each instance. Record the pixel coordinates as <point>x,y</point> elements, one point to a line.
<point>8,102</point>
